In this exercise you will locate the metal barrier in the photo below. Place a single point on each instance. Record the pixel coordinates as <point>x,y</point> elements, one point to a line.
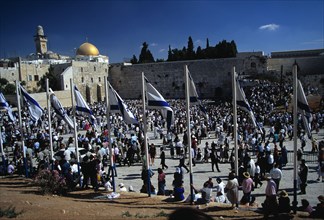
<point>310,157</point>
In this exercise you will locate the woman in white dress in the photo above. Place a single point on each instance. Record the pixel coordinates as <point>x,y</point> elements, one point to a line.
<point>232,189</point>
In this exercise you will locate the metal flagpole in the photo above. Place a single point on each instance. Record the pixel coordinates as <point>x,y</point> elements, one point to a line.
<point>111,158</point>
<point>235,118</point>
<point>2,152</point>
<point>21,128</point>
<point>189,132</point>
<point>295,134</point>
<point>49,122</point>
<point>75,130</point>
<point>145,137</point>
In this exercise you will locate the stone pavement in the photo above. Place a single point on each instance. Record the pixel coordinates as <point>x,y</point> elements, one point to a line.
<point>131,176</point>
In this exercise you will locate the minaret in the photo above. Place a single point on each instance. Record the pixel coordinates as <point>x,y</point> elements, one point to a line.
<point>40,41</point>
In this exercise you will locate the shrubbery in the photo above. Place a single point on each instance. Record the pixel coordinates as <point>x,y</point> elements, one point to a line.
<point>50,182</point>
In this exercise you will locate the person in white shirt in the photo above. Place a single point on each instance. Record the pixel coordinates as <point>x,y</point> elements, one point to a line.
<point>220,193</point>
<point>10,168</point>
<point>276,175</point>
<point>67,155</point>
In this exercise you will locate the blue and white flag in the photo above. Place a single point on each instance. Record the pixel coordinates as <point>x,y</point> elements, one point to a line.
<point>193,95</point>
<point>156,101</point>
<point>59,110</point>
<point>34,108</point>
<point>303,107</point>
<point>244,105</point>
<point>82,106</point>
<point>118,105</point>
<point>4,104</point>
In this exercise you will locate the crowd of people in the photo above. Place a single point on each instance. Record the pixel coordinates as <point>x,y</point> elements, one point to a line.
<point>261,153</point>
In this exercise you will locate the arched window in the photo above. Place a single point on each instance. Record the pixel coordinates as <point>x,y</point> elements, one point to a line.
<point>253,65</point>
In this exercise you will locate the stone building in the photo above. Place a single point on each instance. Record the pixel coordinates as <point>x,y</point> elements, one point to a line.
<point>87,69</point>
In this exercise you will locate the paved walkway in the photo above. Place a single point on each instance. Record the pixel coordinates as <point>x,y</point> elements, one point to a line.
<point>201,172</point>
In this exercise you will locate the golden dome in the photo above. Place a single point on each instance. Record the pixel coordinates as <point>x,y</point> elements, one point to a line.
<point>87,49</point>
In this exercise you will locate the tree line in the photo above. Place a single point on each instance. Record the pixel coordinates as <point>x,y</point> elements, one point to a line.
<point>223,49</point>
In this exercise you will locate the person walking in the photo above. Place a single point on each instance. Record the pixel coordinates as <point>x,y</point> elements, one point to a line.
<point>152,152</point>
<point>270,204</point>
<point>182,161</point>
<point>162,157</point>
<point>161,182</point>
<point>214,159</point>
<point>232,189</point>
<point>276,175</point>
<point>303,173</point>
<point>257,175</point>
<point>247,186</point>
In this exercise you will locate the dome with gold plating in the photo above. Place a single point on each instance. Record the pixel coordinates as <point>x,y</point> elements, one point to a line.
<point>87,49</point>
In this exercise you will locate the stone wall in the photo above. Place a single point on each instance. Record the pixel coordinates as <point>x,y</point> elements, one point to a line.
<point>212,77</point>
<point>63,96</point>
<point>31,73</point>
<point>307,65</point>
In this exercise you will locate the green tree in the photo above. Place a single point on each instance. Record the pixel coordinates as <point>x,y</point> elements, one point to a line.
<point>134,60</point>
<point>160,60</point>
<point>200,53</point>
<point>225,49</point>
<point>3,83</point>
<point>146,55</point>
<point>170,54</point>
<point>190,53</point>
<point>10,89</point>
<point>53,81</point>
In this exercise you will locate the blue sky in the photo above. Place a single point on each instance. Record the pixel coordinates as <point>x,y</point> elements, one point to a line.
<point>119,28</point>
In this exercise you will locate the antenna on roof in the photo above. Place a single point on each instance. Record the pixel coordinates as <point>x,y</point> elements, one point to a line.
<point>87,39</point>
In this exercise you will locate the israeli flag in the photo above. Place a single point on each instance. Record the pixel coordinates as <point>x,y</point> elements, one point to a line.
<point>156,101</point>
<point>82,106</point>
<point>244,105</point>
<point>59,110</point>
<point>193,95</point>
<point>118,105</point>
<point>303,107</point>
<point>4,104</point>
<point>34,108</point>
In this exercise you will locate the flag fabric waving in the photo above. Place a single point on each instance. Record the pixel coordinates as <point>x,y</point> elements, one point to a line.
<point>34,108</point>
<point>156,101</point>
<point>4,104</point>
<point>244,105</point>
<point>117,104</point>
<point>303,107</point>
<point>193,95</point>
<point>59,110</point>
<point>82,106</point>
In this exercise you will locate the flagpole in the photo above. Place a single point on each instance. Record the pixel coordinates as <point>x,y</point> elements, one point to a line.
<point>235,118</point>
<point>21,128</point>
<point>189,132</point>
<point>49,122</point>
<point>295,134</point>
<point>111,159</point>
<point>75,131</point>
<point>2,152</point>
<point>145,137</point>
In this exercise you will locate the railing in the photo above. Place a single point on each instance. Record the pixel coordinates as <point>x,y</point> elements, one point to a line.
<point>310,157</point>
